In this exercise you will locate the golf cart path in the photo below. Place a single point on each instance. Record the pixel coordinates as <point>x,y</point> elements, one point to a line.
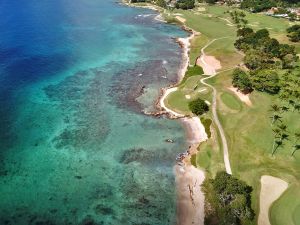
<point>210,70</point>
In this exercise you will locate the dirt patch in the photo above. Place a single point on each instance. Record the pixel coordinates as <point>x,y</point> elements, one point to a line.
<point>243,97</point>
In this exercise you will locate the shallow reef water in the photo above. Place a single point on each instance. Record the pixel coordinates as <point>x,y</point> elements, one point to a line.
<point>75,147</point>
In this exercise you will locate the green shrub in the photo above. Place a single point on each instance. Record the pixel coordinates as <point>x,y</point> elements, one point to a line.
<point>198,106</point>
<point>241,80</point>
<point>185,4</point>
<point>294,33</point>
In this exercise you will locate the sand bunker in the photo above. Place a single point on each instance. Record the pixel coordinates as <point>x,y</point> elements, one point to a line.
<point>209,64</point>
<point>244,98</point>
<point>201,9</point>
<point>182,20</point>
<point>271,189</point>
<point>187,96</point>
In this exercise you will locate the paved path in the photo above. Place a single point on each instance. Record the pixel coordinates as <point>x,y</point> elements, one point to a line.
<point>214,108</point>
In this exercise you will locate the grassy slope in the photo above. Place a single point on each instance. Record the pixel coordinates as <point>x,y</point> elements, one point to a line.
<point>286,209</point>
<point>247,129</point>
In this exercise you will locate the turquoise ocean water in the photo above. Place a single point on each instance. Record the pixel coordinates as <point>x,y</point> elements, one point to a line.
<point>74,145</point>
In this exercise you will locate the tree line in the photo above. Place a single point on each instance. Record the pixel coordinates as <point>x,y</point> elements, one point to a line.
<point>270,64</point>
<point>261,5</point>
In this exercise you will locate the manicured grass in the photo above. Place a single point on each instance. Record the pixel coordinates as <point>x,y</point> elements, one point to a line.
<point>206,123</point>
<point>210,26</point>
<point>248,129</point>
<point>177,101</point>
<point>231,101</point>
<point>287,205</point>
<point>196,44</point>
<point>192,71</point>
<point>192,87</point>
<point>250,138</point>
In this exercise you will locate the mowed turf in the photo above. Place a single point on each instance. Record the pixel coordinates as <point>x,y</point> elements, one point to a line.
<point>250,139</point>
<point>248,129</point>
<point>187,91</point>
<point>287,205</point>
<point>231,101</point>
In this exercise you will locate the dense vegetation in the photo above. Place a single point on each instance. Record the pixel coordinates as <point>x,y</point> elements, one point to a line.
<point>161,3</point>
<point>272,69</point>
<point>260,5</point>
<point>241,80</point>
<point>294,33</point>
<point>228,200</point>
<point>198,106</point>
<point>265,59</point>
<point>185,4</point>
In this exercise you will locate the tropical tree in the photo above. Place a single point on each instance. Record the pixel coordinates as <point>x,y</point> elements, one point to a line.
<point>284,109</point>
<point>278,143</point>
<point>280,135</point>
<point>291,102</point>
<point>297,107</point>
<point>275,109</point>
<point>276,118</point>
<point>198,106</point>
<point>296,146</point>
<point>276,133</point>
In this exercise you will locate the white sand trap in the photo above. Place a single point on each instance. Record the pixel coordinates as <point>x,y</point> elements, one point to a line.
<point>201,9</point>
<point>187,96</point>
<point>229,24</point>
<point>207,102</point>
<point>201,90</point>
<point>190,198</point>
<point>182,20</point>
<point>244,98</point>
<point>209,64</point>
<point>271,189</point>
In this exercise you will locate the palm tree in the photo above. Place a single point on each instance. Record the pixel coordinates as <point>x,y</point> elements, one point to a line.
<point>296,148</point>
<point>278,143</point>
<point>276,135</point>
<point>282,127</point>
<point>280,136</point>
<point>275,118</point>
<point>297,107</point>
<point>284,109</point>
<point>291,102</point>
<point>275,109</point>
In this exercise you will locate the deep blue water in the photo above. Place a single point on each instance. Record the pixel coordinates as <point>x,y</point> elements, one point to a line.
<point>75,147</point>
